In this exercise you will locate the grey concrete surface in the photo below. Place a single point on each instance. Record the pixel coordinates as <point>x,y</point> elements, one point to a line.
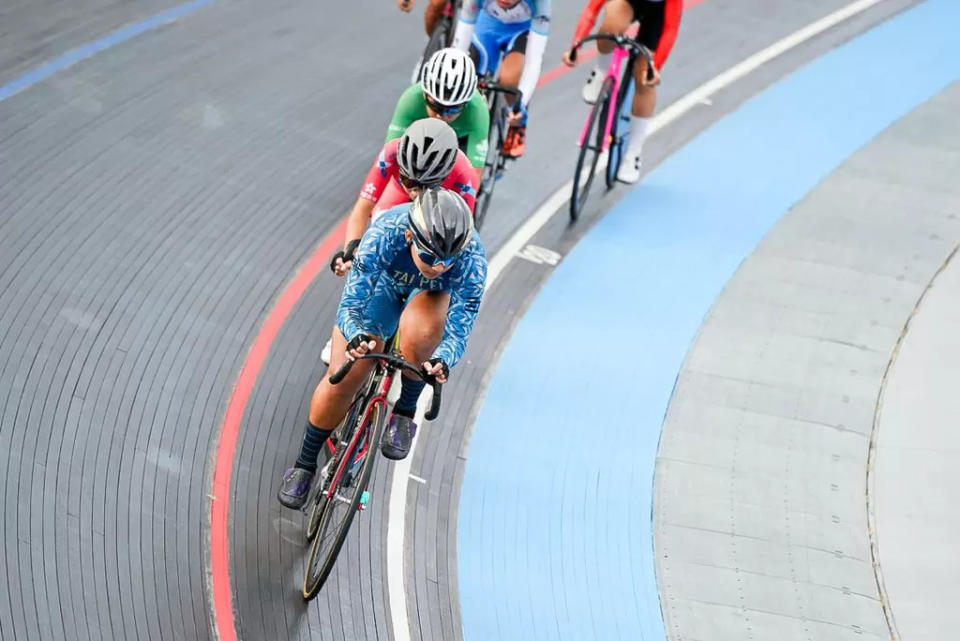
<point>761,525</point>
<point>35,31</point>
<point>155,199</point>
<point>915,476</point>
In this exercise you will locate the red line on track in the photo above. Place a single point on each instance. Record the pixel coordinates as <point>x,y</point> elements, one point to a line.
<point>236,406</point>
<point>223,466</point>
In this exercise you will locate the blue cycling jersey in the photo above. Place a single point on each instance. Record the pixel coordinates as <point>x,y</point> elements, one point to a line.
<point>534,13</point>
<point>384,277</point>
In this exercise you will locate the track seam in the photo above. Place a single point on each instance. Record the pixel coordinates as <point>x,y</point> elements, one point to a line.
<point>872,455</point>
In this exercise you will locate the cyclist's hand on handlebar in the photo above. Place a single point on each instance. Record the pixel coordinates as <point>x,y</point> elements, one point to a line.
<point>568,58</point>
<point>516,118</point>
<point>405,5</point>
<point>437,368</point>
<point>343,259</point>
<point>651,81</point>
<point>338,266</point>
<point>359,345</point>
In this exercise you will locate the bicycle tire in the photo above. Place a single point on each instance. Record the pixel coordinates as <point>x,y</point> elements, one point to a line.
<point>598,114</point>
<point>620,135</point>
<point>491,166</point>
<point>314,580</point>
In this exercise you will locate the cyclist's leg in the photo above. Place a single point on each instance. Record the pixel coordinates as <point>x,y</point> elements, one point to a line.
<point>328,406</point>
<point>421,330</point>
<point>432,14</point>
<point>329,403</point>
<point>651,16</point>
<point>617,16</point>
<point>511,69</point>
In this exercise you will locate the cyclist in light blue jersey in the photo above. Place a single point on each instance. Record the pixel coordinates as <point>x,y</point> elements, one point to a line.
<point>419,268</point>
<point>516,30</point>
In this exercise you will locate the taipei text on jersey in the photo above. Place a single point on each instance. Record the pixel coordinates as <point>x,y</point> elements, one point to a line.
<point>384,277</point>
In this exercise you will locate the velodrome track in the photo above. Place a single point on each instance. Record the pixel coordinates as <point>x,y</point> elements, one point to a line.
<point>159,195</point>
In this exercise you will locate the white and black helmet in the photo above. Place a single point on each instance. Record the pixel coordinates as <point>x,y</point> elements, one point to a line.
<point>441,222</point>
<point>449,77</point>
<point>427,151</point>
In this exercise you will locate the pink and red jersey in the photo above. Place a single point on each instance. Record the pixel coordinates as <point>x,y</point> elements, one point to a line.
<point>383,187</point>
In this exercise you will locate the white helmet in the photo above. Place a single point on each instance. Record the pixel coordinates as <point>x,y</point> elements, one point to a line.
<point>449,77</point>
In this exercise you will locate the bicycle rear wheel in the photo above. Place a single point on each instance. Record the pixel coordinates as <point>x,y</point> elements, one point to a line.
<point>590,150</point>
<point>493,164</point>
<point>342,499</point>
<point>441,37</point>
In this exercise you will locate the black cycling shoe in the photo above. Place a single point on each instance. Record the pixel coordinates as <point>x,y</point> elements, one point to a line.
<point>396,442</point>
<point>295,488</point>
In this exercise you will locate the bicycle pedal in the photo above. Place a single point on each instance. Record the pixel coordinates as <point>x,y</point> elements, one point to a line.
<point>364,499</point>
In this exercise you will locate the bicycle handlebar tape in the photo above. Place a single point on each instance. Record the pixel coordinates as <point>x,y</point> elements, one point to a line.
<point>434,410</point>
<point>341,373</point>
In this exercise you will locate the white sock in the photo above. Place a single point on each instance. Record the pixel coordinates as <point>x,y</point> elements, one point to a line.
<point>603,61</point>
<point>638,134</point>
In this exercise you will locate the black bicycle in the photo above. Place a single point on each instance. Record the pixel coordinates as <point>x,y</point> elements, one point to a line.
<point>441,37</point>
<point>496,162</point>
<point>342,490</point>
<point>602,131</point>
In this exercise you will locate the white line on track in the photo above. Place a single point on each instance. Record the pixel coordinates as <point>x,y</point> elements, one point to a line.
<point>396,524</point>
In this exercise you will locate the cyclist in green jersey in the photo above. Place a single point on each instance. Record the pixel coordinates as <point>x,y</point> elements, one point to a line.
<point>448,91</point>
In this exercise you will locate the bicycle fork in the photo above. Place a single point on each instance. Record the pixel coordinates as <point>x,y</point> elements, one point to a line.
<point>613,71</point>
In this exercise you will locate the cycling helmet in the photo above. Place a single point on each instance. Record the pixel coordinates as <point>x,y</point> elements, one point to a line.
<point>441,222</point>
<point>449,77</point>
<point>427,151</point>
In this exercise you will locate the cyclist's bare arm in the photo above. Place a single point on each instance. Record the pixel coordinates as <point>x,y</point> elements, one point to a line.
<point>359,218</point>
<point>357,223</point>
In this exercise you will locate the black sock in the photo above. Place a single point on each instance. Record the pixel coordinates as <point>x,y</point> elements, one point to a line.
<point>313,440</point>
<point>410,389</point>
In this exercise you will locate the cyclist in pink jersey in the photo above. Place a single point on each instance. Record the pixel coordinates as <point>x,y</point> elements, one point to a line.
<point>427,154</point>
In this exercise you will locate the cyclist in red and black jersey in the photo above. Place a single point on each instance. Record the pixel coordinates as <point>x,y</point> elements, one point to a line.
<point>431,14</point>
<point>659,21</point>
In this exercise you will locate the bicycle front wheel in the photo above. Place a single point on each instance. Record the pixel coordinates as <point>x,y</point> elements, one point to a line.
<point>341,500</point>
<point>590,150</point>
<point>345,431</point>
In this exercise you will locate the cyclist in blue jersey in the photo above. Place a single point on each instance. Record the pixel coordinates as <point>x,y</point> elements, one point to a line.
<point>517,30</point>
<point>419,268</point>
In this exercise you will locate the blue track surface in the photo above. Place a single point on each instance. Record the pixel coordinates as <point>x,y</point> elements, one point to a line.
<point>555,511</point>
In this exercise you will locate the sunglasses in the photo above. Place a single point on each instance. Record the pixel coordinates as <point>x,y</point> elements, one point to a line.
<point>430,260</point>
<point>410,183</point>
<point>443,110</point>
